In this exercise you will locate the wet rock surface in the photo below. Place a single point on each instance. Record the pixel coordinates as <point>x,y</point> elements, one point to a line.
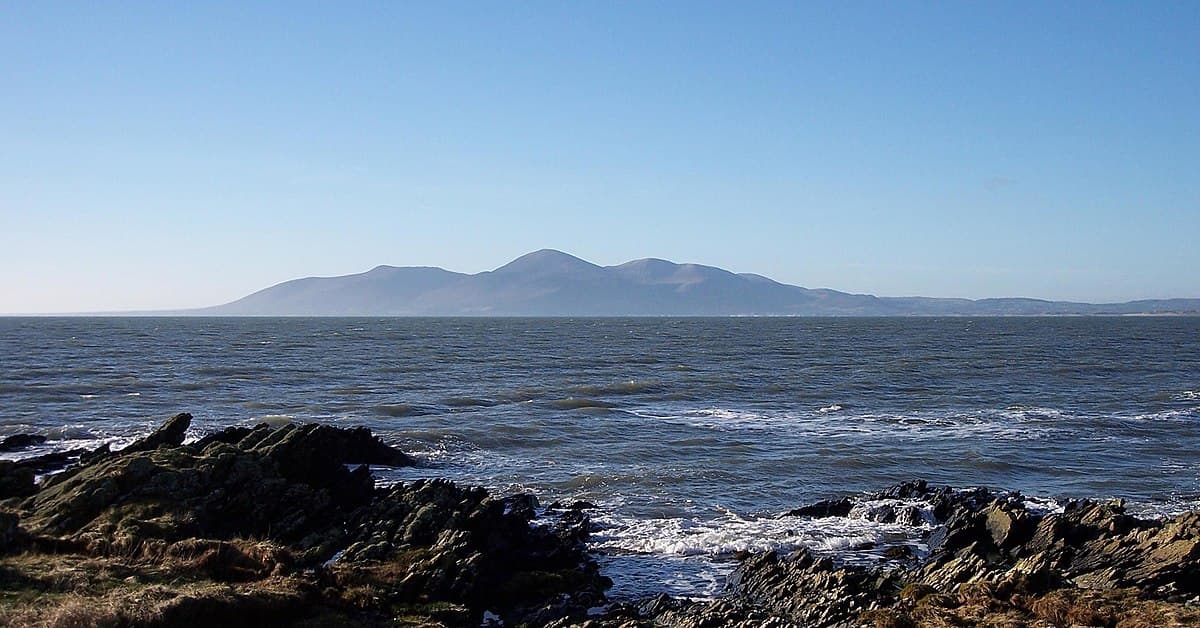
<point>17,442</point>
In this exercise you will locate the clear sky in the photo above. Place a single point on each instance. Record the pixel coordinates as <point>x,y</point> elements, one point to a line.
<point>157,155</point>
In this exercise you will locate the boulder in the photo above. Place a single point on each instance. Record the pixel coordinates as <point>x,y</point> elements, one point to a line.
<point>822,509</point>
<point>21,441</point>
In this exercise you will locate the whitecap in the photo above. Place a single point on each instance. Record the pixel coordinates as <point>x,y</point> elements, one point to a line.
<point>1042,505</point>
<point>276,420</point>
<point>732,534</point>
<point>692,557</point>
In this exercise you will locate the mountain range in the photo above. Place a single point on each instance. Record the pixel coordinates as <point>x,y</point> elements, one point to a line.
<point>553,283</point>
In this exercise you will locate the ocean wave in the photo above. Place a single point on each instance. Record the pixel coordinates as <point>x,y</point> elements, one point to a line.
<point>275,420</point>
<point>1169,415</point>
<point>830,423</point>
<point>468,402</point>
<point>579,403</point>
<point>631,387</point>
<point>854,538</point>
<point>394,409</point>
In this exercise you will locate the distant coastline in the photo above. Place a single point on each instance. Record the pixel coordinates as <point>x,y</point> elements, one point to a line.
<point>553,284</point>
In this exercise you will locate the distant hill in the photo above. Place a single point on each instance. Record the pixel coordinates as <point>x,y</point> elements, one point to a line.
<point>552,283</point>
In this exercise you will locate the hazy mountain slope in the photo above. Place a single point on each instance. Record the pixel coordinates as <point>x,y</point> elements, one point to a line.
<point>384,290</point>
<point>553,283</point>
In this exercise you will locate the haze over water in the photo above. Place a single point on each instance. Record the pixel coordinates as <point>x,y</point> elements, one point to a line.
<point>690,434</point>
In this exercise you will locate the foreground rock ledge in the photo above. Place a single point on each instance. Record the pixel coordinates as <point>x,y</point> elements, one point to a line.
<point>265,526</point>
<point>275,526</point>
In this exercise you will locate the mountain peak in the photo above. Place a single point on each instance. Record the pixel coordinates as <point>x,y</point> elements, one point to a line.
<point>548,261</point>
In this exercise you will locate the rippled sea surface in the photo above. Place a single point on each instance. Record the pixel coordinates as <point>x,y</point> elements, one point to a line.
<point>692,435</point>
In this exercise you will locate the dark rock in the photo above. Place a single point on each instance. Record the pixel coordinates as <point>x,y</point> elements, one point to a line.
<point>99,453</point>
<point>348,446</point>
<point>663,610</point>
<point>899,552</point>
<point>435,541</point>
<point>1008,526</point>
<point>811,590</point>
<point>15,480</point>
<point>170,434</point>
<point>429,551</point>
<point>53,461</point>
<point>173,494</point>
<point>907,490</point>
<point>826,508</point>
<point>11,535</point>
<point>522,505</point>
<point>21,441</point>
<point>229,435</point>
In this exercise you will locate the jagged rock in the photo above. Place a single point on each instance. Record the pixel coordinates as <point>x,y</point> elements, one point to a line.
<point>1009,527</point>
<point>52,461</point>
<point>170,434</point>
<point>289,484</point>
<point>435,541</point>
<point>433,549</point>
<point>230,435</point>
<point>349,446</point>
<point>810,590</point>
<point>21,441</point>
<point>173,494</point>
<point>731,612</point>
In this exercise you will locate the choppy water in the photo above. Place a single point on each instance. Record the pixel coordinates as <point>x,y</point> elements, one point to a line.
<point>691,434</point>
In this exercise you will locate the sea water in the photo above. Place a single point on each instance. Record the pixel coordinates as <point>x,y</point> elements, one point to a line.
<point>692,436</point>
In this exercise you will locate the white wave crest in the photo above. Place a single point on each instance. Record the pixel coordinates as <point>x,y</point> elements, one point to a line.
<point>732,534</point>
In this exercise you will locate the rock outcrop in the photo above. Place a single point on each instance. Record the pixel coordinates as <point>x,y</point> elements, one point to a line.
<point>992,560</point>
<point>265,525</point>
<point>285,526</point>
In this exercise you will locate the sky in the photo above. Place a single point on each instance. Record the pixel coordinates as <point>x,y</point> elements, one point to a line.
<point>167,155</point>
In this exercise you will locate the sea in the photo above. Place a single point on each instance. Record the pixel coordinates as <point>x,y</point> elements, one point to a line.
<point>692,436</point>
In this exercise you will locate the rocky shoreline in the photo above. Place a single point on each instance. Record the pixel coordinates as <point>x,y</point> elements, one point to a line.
<point>286,526</point>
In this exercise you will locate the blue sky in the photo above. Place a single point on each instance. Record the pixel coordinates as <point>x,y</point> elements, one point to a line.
<point>157,155</point>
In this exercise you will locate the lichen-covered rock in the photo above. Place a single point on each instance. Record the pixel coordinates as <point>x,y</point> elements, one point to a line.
<point>174,494</point>
<point>328,547</point>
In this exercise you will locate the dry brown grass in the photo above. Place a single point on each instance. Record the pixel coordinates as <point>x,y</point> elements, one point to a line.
<point>70,590</point>
<point>978,605</point>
